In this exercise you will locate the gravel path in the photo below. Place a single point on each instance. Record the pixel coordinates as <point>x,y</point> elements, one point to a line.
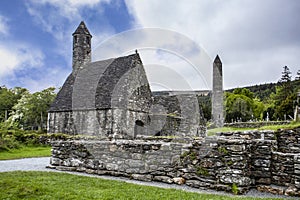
<point>39,164</point>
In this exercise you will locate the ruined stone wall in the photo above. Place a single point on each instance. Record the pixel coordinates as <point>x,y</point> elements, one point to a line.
<point>177,115</point>
<point>240,160</point>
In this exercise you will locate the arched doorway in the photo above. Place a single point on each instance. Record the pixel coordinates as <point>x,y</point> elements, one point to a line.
<point>138,128</point>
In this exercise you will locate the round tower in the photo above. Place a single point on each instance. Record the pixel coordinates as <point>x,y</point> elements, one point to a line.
<point>217,93</point>
<point>81,47</point>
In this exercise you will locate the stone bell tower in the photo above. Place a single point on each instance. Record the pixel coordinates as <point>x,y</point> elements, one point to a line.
<point>217,93</point>
<point>81,47</point>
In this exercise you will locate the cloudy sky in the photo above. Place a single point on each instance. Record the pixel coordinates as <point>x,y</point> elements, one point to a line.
<point>177,40</point>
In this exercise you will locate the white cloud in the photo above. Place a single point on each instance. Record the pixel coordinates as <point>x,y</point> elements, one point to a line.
<point>163,49</point>
<point>55,16</point>
<point>49,77</point>
<point>17,57</point>
<point>60,19</point>
<point>4,29</point>
<point>68,8</point>
<point>254,39</point>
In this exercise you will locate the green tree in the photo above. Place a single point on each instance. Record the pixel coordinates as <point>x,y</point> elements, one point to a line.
<point>31,110</point>
<point>8,98</point>
<point>285,110</point>
<point>241,105</point>
<point>238,107</point>
<point>205,105</point>
<point>297,78</point>
<point>244,91</point>
<point>286,75</point>
<point>285,96</point>
<point>258,108</point>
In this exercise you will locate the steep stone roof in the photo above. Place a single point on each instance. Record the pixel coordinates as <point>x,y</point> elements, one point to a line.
<point>217,59</point>
<point>63,100</point>
<point>93,86</point>
<point>82,29</point>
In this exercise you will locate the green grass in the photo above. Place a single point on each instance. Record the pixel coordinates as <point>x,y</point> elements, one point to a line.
<point>26,152</point>
<point>285,126</point>
<point>211,132</point>
<point>53,185</point>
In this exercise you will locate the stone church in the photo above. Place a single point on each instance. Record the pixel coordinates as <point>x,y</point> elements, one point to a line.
<point>112,98</point>
<point>101,98</point>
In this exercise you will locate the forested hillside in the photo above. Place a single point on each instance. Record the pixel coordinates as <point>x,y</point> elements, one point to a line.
<point>270,101</point>
<point>261,91</point>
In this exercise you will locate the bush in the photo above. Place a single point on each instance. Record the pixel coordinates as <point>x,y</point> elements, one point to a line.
<point>12,138</point>
<point>234,189</point>
<point>8,142</point>
<point>15,138</point>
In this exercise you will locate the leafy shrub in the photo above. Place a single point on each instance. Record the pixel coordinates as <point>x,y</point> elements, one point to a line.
<point>12,139</point>
<point>234,189</point>
<point>8,142</point>
<point>202,171</point>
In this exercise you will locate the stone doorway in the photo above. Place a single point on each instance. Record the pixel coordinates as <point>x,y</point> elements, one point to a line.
<point>139,128</point>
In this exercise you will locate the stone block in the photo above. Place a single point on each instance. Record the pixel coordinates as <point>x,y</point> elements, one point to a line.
<point>142,177</point>
<point>221,187</point>
<point>236,148</point>
<point>262,174</point>
<point>179,180</point>
<point>292,191</point>
<point>175,159</point>
<point>90,171</point>
<point>158,173</point>
<point>196,183</point>
<point>55,161</point>
<point>132,170</point>
<point>66,163</point>
<point>164,179</point>
<point>63,168</point>
<point>137,156</point>
<point>262,163</point>
<point>266,181</point>
<point>271,189</point>
<point>165,147</point>
<point>153,167</point>
<point>297,166</point>
<point>237,179</point>
<point>76,162</point>
<point>80,169</point>
<point>230,171</point>
<point>112,167</point>
<point>136,164</point>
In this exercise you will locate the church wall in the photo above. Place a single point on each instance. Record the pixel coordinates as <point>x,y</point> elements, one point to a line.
<point>101,123</point>
<point>74,122</point>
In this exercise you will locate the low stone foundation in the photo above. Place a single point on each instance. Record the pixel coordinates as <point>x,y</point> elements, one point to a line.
<point>234,162</point>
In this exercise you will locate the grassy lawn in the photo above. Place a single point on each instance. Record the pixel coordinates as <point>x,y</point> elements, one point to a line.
<point>26,152</point>
<point>53,185</point>
<point>211,132</point>
<point>286,126</point>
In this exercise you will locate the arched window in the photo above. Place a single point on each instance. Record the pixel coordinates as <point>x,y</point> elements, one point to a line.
<point>75,38</point>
